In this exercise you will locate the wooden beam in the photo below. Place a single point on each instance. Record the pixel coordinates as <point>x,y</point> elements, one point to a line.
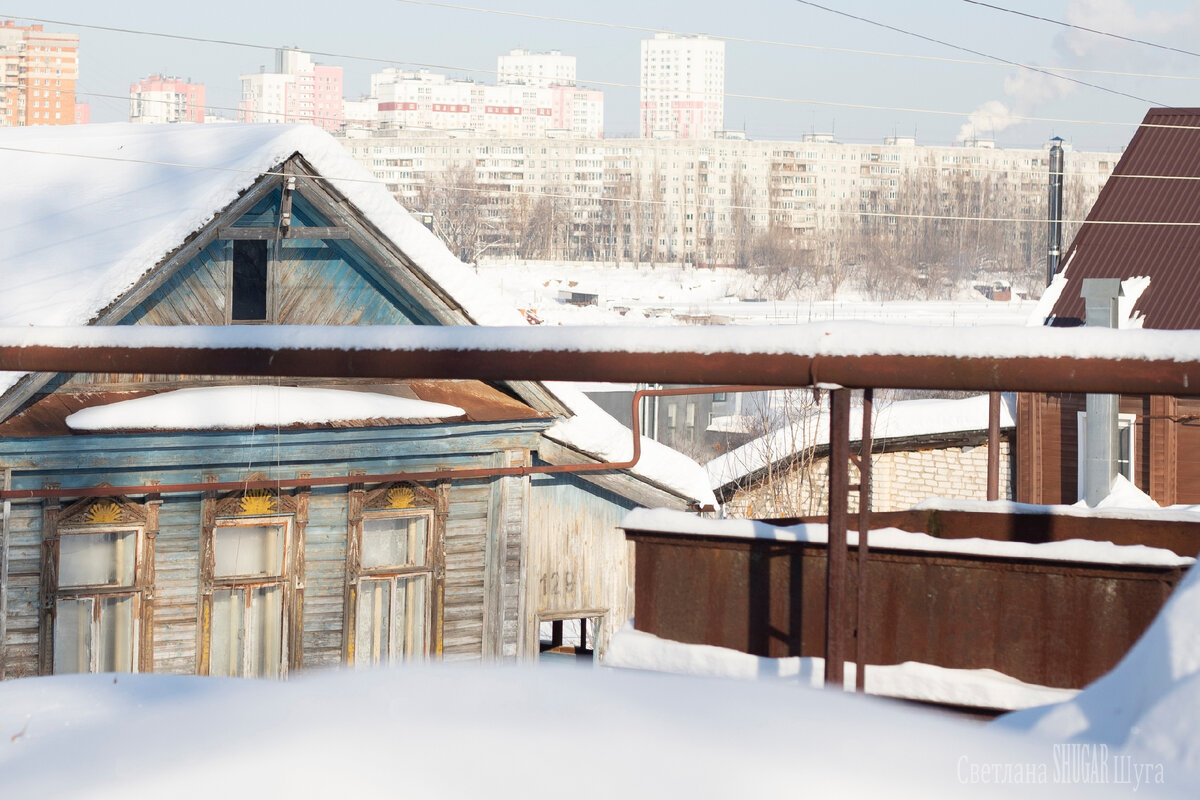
<point>260,233</point>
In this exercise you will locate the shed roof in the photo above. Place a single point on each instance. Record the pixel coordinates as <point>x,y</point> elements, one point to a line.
<point>1156,181</point>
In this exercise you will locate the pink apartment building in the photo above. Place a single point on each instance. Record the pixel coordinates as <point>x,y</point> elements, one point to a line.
<point>160,99</point>
<point>297,91</point>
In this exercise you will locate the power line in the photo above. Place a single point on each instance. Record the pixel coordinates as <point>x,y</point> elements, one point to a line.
<point>681,206</point>
<point>778,43</point>
<point>944,43</point>
<point>614,84</point>
<point>1083,28</point>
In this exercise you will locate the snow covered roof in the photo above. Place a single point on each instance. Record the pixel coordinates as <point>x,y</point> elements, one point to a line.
<point>903,419</point>
<point>244,407</point>
<point>91,209</point>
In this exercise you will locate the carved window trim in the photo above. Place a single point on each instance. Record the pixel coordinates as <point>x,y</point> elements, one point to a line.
<point>254,507</point>
<point>400,499</point>
<point>95,515</point>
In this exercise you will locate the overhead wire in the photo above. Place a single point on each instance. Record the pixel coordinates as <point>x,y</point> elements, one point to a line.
<point>779,43</point>
<point>1084,28</point>
<point>961,48</point>
<point>628,200</point>
<point>613,84</point>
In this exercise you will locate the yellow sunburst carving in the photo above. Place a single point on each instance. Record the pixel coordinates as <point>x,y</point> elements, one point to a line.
<point>400,497</point>
<point>257,502</point>
<point>103,512</point>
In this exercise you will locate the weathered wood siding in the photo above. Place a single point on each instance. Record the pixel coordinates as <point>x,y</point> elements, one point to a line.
<point>473,520</point>
<point>24,577</point>
<point>578,560</point>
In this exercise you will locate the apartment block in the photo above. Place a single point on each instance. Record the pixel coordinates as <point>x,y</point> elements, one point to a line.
<point>299,90</point>
<point>38,71</point>
<point>705,201</point>
<point>536,69</point>
<point>437,102</point>
<point>161,99</point>
<point>683,87</point>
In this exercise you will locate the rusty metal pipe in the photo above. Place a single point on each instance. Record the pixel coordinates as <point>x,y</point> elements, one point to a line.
<point>835,572</point>
<point>993,440</point>
<point>680,365</point>
<point>864,528</point>
<point>344,480</point>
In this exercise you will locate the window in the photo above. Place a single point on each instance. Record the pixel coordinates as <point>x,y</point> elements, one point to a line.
<point>249,284</point>
<point>250,558</point>
<point>1126,431</point>
<point>95,608</point>
<point>390,576</point>
<point>248,584</point>
<point>570,636</point>
<point>94,576</point>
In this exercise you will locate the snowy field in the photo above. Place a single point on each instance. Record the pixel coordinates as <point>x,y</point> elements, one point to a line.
<point>463,732</point>
<point>666,295</point>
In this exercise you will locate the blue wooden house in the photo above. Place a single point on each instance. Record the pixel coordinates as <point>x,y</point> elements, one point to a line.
<point>228,225</point>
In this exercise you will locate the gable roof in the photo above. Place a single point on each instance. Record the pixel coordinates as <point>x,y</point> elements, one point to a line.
<point>1107,246</point>
<point>91,211</point>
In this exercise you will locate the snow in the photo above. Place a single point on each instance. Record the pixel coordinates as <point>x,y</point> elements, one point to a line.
<point>1148,703</point>
<point>891,421</point>
<point>1076,550</point>
<point>242,407</point>
<point>833,339</point>
<point>1124,501</point>
<point>98,206</point>
<point>978,688</point>
<point>452,731</point>
<point>594,431</point>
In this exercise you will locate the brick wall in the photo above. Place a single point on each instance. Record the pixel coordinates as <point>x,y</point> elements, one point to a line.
<point>899,480</point>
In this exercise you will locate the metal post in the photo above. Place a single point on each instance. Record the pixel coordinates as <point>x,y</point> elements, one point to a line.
<point>993,443</point>
<point>864,528</point>
<point>835,568</point>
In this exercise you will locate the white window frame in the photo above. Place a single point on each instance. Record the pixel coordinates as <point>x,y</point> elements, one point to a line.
<point>1126,428</point>
<point>249,583</point>
<point>396,576</point>
<point>98,592</point>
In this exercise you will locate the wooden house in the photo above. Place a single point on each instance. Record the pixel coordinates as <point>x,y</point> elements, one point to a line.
<point>276,225</point>
<point>1142,231</point>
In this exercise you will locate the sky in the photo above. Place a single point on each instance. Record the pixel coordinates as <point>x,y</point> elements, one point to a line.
<point>795,89</point>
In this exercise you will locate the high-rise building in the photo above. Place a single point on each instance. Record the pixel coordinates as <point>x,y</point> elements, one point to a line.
<point>299,90</point>
<point>434,101</point>
<point>159,98</point>
<point>683,87</point>
<point>38,71</point>
<point>536,69</point>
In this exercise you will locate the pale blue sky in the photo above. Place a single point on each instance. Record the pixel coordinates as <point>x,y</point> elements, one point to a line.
<point>467,40</point>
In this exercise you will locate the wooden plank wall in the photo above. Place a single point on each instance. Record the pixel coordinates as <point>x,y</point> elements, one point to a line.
<point>177,566</point>
<point>578,559</point>
<point>24,577</point>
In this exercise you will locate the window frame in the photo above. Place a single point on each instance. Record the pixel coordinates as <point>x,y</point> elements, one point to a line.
<point>81,518</point>
<point>417,502</point>
<point>269,279</point>
<point>1126,426</point>
<point>250,509</point>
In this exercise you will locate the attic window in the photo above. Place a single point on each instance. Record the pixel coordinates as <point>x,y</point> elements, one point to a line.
<point>249,301</point>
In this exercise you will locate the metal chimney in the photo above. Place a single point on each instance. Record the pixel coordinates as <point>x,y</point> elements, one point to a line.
<point>1054,232</point>
<point>1100,428</point>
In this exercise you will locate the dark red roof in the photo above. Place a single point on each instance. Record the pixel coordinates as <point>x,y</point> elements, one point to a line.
<point>1167,144</point>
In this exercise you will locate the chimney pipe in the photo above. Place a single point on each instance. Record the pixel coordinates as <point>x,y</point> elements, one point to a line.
<point>1101,437</point>
<point>1054,233</point>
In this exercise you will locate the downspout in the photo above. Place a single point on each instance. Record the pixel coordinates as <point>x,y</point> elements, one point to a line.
<point>1101,436</point>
